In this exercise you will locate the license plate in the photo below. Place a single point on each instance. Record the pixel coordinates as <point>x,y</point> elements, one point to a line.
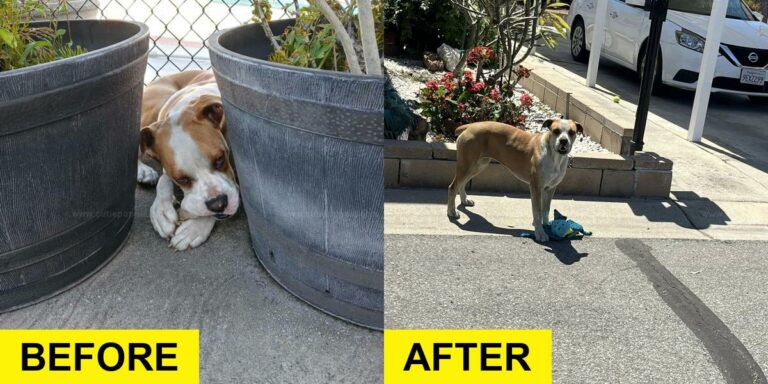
<point>753,76</point>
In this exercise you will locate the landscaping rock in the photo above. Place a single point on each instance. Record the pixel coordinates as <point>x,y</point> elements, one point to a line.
<point>450,56</point>
<point>433,62</point>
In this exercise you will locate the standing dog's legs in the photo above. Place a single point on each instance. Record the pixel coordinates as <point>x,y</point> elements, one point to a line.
<point>546,203</point>
<point>457,185</point>
<point>477,169</point>
<point>537,195</point>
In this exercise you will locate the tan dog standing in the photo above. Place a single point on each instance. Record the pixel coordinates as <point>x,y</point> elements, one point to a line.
<point>183,128</point>
<point>539,159</point>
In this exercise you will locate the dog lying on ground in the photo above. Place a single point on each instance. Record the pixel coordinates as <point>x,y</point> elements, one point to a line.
<point>183,127</point>
<point>539,159</point>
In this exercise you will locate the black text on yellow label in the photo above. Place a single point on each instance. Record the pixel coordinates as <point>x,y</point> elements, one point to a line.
<point>99,356</point>
<point>467,356</point>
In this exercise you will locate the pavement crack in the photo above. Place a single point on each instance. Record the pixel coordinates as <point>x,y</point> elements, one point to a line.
<point>731,357</point>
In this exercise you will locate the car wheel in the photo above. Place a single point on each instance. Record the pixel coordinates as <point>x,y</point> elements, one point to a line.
<point>759,99</point>
<point>658,86</point>
<point>578,42</point>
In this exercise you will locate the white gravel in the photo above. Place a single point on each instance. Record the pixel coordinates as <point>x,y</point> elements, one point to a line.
<point>409,76</point>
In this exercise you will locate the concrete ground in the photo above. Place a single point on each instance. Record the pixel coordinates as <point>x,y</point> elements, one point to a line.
<point>251,330</point>
<point>667,290</point>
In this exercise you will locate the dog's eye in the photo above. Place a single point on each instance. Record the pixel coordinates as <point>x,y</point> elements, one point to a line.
<point>556,131</point>
<point>571,133</point>
<point>184,181</point>
<point>219,163</point>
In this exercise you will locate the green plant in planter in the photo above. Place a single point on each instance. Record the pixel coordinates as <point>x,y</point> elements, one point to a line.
<point>328,35</point>
<point>451,102</point>
<point>22,45</point>
<point>310,43</point>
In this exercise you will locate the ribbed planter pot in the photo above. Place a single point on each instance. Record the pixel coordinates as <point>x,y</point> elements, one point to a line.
<point>68,147</point>
<point>309,156</point>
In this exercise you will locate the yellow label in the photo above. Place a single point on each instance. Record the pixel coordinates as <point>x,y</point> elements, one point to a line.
<point>467,357</point>
<point>99,356</point>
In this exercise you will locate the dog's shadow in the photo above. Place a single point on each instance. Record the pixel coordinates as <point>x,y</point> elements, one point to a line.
<point>563,250</point>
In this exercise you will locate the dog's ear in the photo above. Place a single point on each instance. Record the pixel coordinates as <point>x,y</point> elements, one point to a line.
<point>147,141</point>
<point>579,127</point>
<point>549,123</point>
<point>210,107</point>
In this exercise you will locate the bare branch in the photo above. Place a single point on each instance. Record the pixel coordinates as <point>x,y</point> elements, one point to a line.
<point>368,38</point>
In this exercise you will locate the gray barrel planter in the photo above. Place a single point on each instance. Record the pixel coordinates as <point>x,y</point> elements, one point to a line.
<point>68,147</point>
<point>309,157</point>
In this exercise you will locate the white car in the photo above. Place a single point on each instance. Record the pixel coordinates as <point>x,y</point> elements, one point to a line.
<point>742,66</point>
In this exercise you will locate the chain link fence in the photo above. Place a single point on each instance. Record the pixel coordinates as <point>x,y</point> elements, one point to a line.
<point>178,28</point>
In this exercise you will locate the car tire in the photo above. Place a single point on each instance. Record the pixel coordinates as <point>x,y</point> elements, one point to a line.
<point>759,99</point>
<point>658,86</point>
<point>579,42</point>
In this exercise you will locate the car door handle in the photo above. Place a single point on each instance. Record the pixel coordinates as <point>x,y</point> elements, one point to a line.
<point>614,14</point>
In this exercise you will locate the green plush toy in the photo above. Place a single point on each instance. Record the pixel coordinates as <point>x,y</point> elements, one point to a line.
<point>562,228</point>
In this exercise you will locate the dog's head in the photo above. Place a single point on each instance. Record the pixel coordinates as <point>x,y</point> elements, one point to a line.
<point>191,147</point>
<point>562,134</point>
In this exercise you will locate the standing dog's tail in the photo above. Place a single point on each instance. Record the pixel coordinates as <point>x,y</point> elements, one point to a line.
<point>461,129</point>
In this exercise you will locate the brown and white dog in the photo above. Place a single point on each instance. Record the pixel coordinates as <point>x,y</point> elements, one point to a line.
<point>539,159</point>
<point>183,127</point>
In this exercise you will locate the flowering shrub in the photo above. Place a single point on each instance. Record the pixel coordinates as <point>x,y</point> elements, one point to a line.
<point>452,101</point>
<point>480,54</point>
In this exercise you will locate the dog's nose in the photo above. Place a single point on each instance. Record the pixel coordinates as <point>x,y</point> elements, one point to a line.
<point>217,204</point>
<point>563,142</point>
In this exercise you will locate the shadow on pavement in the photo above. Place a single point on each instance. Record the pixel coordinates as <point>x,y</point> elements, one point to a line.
<point>477,223</point>
<point>565,252</point>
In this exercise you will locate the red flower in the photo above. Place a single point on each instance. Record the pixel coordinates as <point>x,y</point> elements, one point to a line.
<point>478,54</point>
<point>523,72</point>
<point>495,94</point>
<point>448,86</point>
<point>462,107</point>
<point>468,78</point>
<point>526,100</point>
<point>479,86</point>
<point>432,85</point>
<point>448,76</point>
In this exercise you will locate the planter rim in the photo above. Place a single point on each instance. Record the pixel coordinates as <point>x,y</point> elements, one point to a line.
<point>214,45</point>
<point>142,33</point>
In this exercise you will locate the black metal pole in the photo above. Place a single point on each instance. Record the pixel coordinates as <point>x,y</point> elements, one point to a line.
<point>658,10</point>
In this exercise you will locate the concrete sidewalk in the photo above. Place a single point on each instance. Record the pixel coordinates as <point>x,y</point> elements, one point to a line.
<point>251,329</point>
<point>423,212</point>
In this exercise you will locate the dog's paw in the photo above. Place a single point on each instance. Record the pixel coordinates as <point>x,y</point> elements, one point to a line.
<point>453,214</point>
<point>192,233</point>
<point>468,203</point>
<point>163,216</point>
<point>146,175</point>
<point>541,235</point>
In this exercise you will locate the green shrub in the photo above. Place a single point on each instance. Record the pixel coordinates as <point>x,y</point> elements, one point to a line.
<point>22,45</point>
<point>310,43</point>
<point>423,25</point>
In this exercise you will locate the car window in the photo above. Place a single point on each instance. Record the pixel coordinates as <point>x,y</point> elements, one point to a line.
<point>736,8</point>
